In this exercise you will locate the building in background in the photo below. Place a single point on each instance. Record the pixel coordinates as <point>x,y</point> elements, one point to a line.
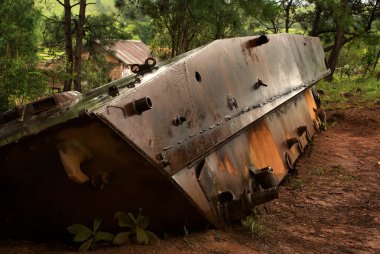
<point>122,54</point>
<point>114,57</point>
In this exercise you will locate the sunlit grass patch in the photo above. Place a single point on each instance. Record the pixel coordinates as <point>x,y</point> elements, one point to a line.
<point>346,92</point>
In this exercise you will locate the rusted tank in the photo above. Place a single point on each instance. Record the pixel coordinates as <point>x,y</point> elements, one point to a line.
<point>201,139</point>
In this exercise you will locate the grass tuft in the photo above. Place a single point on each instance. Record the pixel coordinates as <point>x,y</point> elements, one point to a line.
<point>252,223</point>
<point>343,93</point>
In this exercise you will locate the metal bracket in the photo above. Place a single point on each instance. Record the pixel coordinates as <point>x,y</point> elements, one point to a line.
<point>288,161</point>
<point>179,120</point>
<point>113,91</point>
<point>295,141</point>
<point>162,160</point>
<point>259,83</point>
<point>231,101</point>
<point>141,69</point>
<point>263,177</point>
<point>132,83</point>
<point>303,130</point>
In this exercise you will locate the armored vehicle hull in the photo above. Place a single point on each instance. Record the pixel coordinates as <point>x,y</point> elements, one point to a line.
<point>201,139</point>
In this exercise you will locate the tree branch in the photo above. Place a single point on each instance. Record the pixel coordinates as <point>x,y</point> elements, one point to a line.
<point>372,17</point>
<point>61,3</point>
<point>72,6</point>
<point>345,41</point>
<point>326,31</point>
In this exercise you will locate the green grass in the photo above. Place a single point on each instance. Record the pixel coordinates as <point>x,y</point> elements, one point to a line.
<point>252,223</point>
<point>294,183</point>
<point>345,92</point>
<point>46,54</point>
<point>317,171</point>
<point>337,169</point>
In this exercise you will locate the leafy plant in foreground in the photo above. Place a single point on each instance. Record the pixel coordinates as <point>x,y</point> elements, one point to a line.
<point>137,229</point>
<point>88,238</point>
<point>251,222</point>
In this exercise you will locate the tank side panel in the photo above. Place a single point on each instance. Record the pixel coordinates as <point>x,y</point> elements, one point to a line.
<point>262,144</point>
<point>214,91</point>
<point>39,200</point>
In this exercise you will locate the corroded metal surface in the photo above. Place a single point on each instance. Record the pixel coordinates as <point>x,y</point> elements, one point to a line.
<point>199,86</point>
<point>209,134</point>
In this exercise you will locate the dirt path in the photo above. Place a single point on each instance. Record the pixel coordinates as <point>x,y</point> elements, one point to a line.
<point>331,206</point>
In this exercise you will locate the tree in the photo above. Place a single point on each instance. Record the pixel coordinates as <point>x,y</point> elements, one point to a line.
<point>270,18</point>
<point>340,22</point>
<point>20,79</point>
<point>185,24</point>
<point>289,8</point>
<point>73,55</point>
<point>219,19</point>
<point>80,33</point>
<point>173,19</point>
<point>277,16</point>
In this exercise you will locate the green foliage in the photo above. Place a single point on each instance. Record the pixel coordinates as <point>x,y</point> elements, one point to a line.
<point>137,229</point>
<point>186,236</point>
<point>173,27</point>
<point>349,92</point>
<point>88,238</point>
<point>295,183</point>
<point>97,27</point>
<point>370,59</point>
<point>337,169</point>
<point>359,58</point>
<point>20,80</point>
<point>52,7</point>
<point>317,171</point>
<point>271,17</point>
<point>18,36</point>
<point>183,25</point>
<point>105,26</point>
<point>95,72</point>
<point>252,223</point>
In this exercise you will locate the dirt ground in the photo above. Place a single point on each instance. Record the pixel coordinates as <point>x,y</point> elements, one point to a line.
<point>331,206</point>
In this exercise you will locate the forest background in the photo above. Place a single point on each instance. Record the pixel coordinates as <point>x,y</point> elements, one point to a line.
<point>36,32</point>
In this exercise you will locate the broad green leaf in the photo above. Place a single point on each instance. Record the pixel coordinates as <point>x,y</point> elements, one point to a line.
<point>121,238</point>
<point>124,220</point>
<point>81,232</point>
<point>141,236</point>
<point>97,223</point>
<point>153,238</point>
<point>104,236</point>
<point>86,245</point>
<point>132,217</point>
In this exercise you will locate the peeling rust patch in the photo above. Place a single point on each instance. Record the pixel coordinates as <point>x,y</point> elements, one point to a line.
<point>225,165</point>
<point>263,149</point>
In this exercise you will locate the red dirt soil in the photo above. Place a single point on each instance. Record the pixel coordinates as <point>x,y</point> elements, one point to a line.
<point>331,206</point>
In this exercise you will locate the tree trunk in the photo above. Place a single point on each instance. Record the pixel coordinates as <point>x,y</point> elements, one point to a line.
<point>79,46</point>
<point>69,46</point>
<point>340,24</point>
<point>376,60</point>
<point>287,15</point>
<point>317,20</point>
<point>334,56</point>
